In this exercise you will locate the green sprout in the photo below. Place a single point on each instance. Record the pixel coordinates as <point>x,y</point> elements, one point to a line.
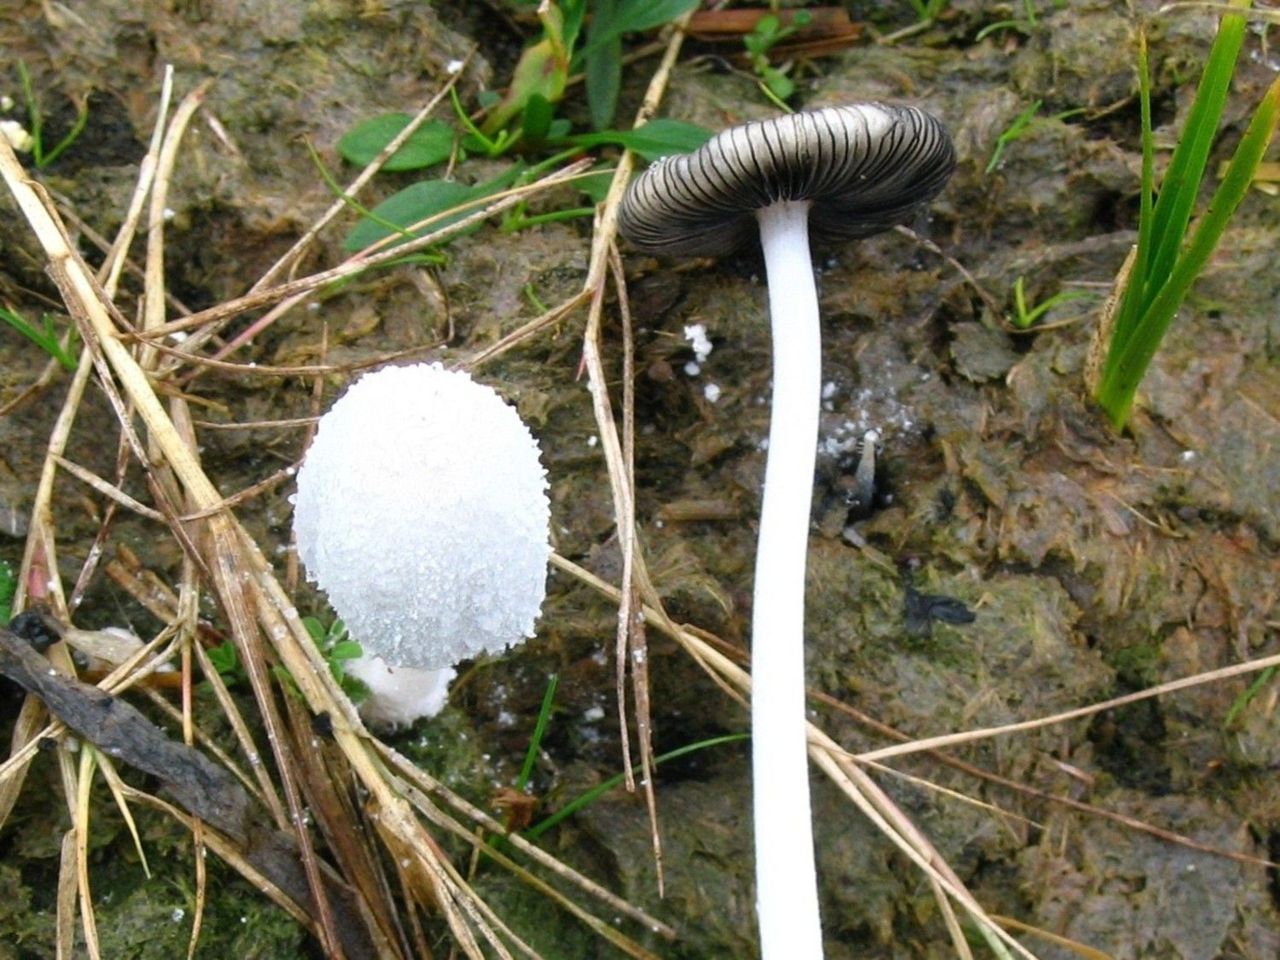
<point>39,154</point>
<point>44,336</point>
<point>768,32</point>
<point>226,661</point>
<point>1026,314</point>
<point>1249,695</point>
<point>335,646</point>
<point>928,10</point>
<point>1025,25</point>
<point>1021,124</point>
<point>600,789</point>
<point>542,73</point>
<point>539,731</point>
<point>338,649</point>
<point>1165,262</point>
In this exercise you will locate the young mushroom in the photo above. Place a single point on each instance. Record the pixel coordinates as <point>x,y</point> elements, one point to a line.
<point>843,173</point>
<point>422,511</point>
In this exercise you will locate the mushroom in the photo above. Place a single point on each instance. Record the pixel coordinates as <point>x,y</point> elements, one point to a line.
<point>843,173</point>
<point>422,511</point>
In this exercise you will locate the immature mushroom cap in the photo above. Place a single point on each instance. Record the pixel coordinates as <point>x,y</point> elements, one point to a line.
<point>422,511</point>
<point>864,167</point>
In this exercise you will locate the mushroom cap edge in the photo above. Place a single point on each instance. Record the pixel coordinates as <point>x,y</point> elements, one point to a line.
<point>864,167</point>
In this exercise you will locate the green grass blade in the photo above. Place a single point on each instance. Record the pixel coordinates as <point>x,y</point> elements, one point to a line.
<point>1127,312</point>
<point>1181,184</point>
<point>1120,381</point>
<point>539,731</point>
<point>600,789</point>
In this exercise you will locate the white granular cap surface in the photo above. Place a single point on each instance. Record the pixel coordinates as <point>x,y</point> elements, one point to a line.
<point>422,512</point>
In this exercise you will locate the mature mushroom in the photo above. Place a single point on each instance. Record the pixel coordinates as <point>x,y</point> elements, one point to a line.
<point>842,172</point>
<point>422,511</point>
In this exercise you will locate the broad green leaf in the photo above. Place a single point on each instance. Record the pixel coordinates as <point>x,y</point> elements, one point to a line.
<point>430,144</point>
<point>635,16</point>
<point>657,138</point>
<point>536,121</point>
<point>603,65</point>
<point>439,199</point>
<point>346,650</point>
<point>414,203</point>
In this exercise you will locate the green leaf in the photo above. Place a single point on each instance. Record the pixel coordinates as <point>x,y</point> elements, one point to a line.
<point>635,16</point>
<point>536,121</point>
<point>346,650</point>
<point>430,198</point>
<point>8,586</point>
<point>430,144</point>
<point>542,69</point>
<point>1182,179</point>
<point>657,138</point>
<point>603,64</point>
<point>437,199</point>
<point>573,12</point>
<point>600,789</point>
<point>224,658</point>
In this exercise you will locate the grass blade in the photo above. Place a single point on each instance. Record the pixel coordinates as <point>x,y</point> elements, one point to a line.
<point>1127,313</point>
<point>1181,184</point>
<point>1125,370</point>
<point>600,789</point>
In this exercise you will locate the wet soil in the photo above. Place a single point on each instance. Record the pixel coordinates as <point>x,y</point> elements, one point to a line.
<point>1096,564</point>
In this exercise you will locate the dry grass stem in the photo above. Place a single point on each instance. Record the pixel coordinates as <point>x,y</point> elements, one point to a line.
<point>290,259</point>
<point>968,736</point>
<point>234,564</point>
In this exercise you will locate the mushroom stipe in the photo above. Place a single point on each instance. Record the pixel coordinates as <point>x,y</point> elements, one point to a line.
<point>841,173</point>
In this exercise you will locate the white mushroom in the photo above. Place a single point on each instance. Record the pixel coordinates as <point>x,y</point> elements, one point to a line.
<point>842,172</point>
<point>422,512</point>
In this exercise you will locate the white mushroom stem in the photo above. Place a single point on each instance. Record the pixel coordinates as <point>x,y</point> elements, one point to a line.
<point>786,881</point>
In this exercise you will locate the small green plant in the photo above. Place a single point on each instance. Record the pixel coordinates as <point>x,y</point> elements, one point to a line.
<point>1011,133</point>
<point>1166,263</point>
<point>1021,124</point>
<point>1249,695</point>
<point>445,201</point>
<point>338,649</point>
<point>334,644</point>
<point>1025,314</point>
<point>600,789</point>
<point>39,154</point>
<point>44,336</point>
<point>543,70</point>
<point>1025,24</point>
<point>539,731</point>
<point>768,32</point>
<point>928,10</point>
<point>226,661</point>
<point>523,119</point>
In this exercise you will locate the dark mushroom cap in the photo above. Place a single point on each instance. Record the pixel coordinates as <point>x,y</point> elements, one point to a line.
<point>865,167</point>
